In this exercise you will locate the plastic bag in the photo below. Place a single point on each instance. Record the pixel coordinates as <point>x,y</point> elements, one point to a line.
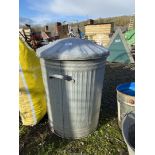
<point>32,99</point>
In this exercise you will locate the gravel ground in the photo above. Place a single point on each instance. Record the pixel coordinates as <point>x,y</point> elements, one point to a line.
<point>106,140</point>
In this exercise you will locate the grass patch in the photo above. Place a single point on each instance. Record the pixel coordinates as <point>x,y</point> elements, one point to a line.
<point>106,140</point>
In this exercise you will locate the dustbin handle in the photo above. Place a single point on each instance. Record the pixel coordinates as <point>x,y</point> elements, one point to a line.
<point>62,77</point>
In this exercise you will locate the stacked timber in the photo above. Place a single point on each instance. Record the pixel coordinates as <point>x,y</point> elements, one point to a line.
<point>100,33</point>
<point>26,32</point>
<point>131,25</point>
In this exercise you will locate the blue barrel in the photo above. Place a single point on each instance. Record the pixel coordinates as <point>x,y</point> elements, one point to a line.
<point>125,100</point>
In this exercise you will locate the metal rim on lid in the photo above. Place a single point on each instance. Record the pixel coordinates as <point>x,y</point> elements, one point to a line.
<point>72,49</point>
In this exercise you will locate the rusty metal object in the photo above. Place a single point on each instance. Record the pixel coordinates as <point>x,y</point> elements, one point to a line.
<point>131,101</point>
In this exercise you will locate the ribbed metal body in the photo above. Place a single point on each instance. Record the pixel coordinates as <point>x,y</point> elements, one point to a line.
<point>128,131</point>
<point>74,101</point>
<point>125,104</point>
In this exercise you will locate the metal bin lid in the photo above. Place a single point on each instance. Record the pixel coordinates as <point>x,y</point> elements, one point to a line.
<point>72,49</point>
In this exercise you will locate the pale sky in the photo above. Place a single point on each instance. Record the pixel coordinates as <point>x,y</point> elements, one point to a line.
<point>71,10</point>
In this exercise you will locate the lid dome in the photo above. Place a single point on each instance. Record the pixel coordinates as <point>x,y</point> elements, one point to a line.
<point>72,49</point>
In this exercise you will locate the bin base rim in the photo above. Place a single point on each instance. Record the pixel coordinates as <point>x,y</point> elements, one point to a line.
<point>67,137</point>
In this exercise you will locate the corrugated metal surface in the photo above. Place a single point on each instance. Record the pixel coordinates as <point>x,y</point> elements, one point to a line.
<point>74,105</point>
<point>128,132</point>
<point>125,104</point>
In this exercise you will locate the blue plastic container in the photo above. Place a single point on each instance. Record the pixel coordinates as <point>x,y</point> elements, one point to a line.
<point>125,100</point>
<point>127,88</point>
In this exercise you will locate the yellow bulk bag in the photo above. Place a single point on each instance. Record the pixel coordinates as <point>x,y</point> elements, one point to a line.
<point>32,99</point>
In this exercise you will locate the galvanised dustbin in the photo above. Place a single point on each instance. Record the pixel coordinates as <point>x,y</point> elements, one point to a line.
<point>125,100</point>
<point>73,74</point>
<point>128,131</point>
